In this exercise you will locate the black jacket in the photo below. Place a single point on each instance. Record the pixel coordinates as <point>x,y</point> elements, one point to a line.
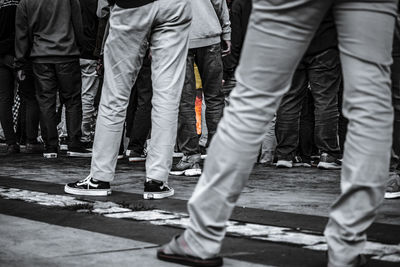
<point>7,26</point>
<point>90,23</point>
<point>48,31</point>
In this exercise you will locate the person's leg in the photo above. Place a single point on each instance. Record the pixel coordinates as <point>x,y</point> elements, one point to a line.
<point>325,79</point>
<point>90,84</point>
<point>209,62</point>
<point>142,117</point>
<point>272,50</point>
<point>70,83</point>
<point>365,54</point>
<point>122,63</point>
<point>306,131</point>
<point>288,118</point>
<point>46,94</point>
<point>393,184</point>
<point>6,102</point>
<point>169,48</point>
<point>188,139</point>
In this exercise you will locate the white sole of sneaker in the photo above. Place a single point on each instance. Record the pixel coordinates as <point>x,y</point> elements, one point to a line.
<point>120,157</point>
<point>390,195</point>
<point>64,147</point>
<point>203,156</point>
<point>91,192</point>
<point>136,159</point>
<point>158,195</point>
<point>79,155</point>
<point>189,172</point>
<point>328,166</point>
<point>284,164</point>
<point>50,155</point>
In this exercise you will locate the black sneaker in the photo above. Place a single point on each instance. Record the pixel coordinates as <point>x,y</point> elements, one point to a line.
<point>79,152</point>
<point>157,190</point>
<point>188,166</point>
<point>135,156</point>
<point>12,149</point>
<point>328,162</point>
<point>34,148</point>
<point>88,187</point>
<point>50,153</point>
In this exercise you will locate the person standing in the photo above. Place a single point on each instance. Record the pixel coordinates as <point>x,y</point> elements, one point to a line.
<point>48,33</point>
<point>7,41</point>
<point>278,35</point>
<point>165,25</point>
<point>209,28</point>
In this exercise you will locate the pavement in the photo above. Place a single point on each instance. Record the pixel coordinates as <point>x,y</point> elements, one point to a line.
<point>279,219</point>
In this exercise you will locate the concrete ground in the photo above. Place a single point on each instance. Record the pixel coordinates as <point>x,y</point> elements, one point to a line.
<point>278,221</point>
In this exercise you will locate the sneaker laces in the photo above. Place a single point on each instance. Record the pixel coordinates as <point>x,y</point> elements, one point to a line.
<point>85,181</point>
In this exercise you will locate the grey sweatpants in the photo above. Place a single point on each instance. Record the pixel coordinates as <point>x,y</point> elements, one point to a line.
<point>278,34</point>
<point>165,25</point>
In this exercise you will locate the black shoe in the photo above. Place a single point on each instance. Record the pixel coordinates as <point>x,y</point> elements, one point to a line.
<point>50,152</point>
<point>34,148</point>
<point>329,162</point>
<point>88,187</point>
<point>188,166</point>
<point>12,149</point>
<point>157,190</point>
<point>79,152</point>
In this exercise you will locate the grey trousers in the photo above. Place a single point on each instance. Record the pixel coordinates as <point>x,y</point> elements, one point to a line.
<point>165,25</point>
<point>90,84</point>
<point>278,34</point>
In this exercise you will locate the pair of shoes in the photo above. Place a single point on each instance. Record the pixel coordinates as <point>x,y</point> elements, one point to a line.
<point>187,166</point>
<point>34,148</point>
<point>50,152</point>
<point>12,149</point>
<point>178,251</point>
<point>79,152</point>
<point>134,156</point>
<point>88,187</point>
<point>91,187</point>
<point>328,162</point>
<point>393,186</point>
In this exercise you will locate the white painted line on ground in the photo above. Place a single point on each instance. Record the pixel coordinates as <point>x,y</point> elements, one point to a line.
<point>297,237</point>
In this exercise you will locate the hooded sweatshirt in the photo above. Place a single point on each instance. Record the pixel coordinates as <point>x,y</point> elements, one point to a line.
<point>48,31</point>
<point>210,23</point>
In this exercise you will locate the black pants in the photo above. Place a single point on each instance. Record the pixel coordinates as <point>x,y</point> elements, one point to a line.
<point>209,62</point>
<point>31,112</point>
<point>396,103</point>
<point>323,75</point>
<point>7,98</point>
<point>67,77</point>
<point>138,119</point>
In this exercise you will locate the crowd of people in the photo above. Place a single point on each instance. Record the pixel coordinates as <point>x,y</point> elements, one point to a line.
<point>88,75</point>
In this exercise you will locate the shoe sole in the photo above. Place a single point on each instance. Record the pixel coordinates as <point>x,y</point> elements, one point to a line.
<point>64,147</point>
<point>79,154</point>
<point>178,155</point>
<point>120,157</point>
<point>328,166</point>
<point>91,192</point>
<point>136,159</point>
<point>190,261</point>
<point>389,195</point>
<point>203,156</point>
<point>158,195</point>
<point>189,172</point>
<point>50,155</point>
<point>284,165</point>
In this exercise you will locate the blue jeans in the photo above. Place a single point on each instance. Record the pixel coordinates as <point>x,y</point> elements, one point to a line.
<point>209,62</point>
<point>322,72</point>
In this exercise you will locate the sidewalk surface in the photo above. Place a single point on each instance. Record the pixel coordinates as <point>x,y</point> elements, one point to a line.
<point>278,221</point>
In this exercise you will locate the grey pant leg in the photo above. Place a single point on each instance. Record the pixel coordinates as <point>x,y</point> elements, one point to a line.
<point>90,84</point>
<point>123,54</point>
<point>169,48</point>
<point>366,59</point>
<point>271,52</point>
